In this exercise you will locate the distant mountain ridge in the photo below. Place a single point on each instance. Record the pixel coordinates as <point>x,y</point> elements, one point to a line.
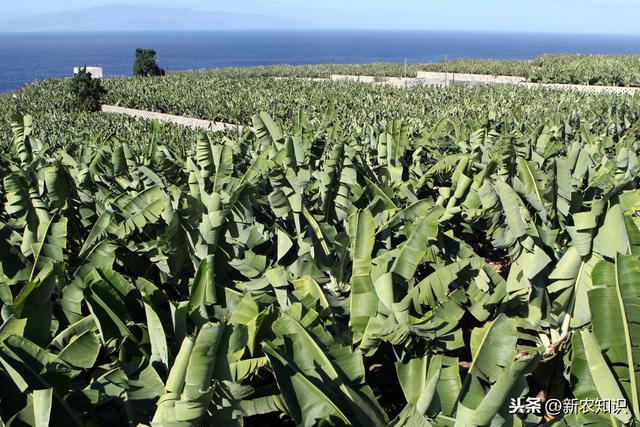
<point>139,18</point>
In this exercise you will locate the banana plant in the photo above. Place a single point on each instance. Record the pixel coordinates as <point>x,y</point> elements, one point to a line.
<point>325,267</point>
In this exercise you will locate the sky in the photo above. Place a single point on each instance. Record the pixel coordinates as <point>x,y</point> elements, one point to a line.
<point>567,16</point>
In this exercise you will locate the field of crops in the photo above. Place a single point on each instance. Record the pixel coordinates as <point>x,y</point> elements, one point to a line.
<point>587,69</point>
<point>358,107</point>
<point>57,125</point>
<point>236,100</point>
<point>368,256</point>
<point>623,70</point>
<point>564,69</point>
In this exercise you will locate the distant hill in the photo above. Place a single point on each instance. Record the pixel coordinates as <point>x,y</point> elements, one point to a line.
<point>138,18</point>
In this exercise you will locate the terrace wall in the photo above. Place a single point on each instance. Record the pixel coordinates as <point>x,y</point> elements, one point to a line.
<point>461,78</point>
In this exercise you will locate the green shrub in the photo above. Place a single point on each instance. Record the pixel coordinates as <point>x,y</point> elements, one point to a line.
<point>145,64</point>
<point>87,91</point>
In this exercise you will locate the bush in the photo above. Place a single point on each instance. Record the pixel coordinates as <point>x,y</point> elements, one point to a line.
<point>145,64</point>
<point>87,91</point>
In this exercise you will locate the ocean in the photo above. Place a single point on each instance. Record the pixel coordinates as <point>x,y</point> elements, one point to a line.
<point>32,56</point>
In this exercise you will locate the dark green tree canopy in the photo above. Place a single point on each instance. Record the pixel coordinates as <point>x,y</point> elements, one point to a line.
<point>87,91</point>
<point>145,64</point>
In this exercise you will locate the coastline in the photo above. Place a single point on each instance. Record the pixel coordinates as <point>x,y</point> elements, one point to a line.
<point>25,57</point>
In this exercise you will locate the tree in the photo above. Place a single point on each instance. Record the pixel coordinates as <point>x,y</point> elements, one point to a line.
<point>87,91</point>
<point>145,64</point>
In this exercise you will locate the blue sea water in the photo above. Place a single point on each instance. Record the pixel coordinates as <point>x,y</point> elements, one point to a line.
<point>28,57</point>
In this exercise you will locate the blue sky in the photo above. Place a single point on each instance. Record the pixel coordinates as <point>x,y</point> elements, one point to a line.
<point>581,16</point>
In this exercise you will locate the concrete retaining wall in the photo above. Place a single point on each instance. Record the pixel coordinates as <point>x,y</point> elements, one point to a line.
<point>450,79</point>
<point>432,79</point>
<point>461,78</point>
<point>169,118</point>
<point>392,81</point>
<point>618,90</point>
<point>429,82</point>
<point>358,79</point>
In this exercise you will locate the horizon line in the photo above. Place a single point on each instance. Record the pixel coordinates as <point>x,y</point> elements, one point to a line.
<point>306,29</point>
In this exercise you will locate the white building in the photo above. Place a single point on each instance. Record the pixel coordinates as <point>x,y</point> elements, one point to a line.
<point>96,72</point>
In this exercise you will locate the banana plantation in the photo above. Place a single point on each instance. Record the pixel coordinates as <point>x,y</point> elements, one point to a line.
<point>601,70</point>
<point>363,256</point>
